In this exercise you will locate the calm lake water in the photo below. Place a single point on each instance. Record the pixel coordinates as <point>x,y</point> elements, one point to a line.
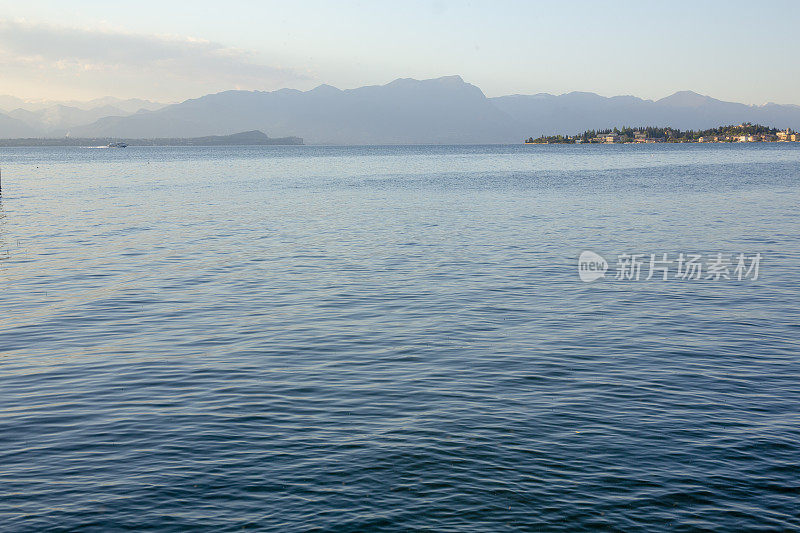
<point>397,338</point>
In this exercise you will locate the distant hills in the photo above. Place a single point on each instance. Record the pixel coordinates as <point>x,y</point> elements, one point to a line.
<point>12,127</point>
<point>577,111</point>
<point>126,105</point>
<point>245,138</point>
<point>444,110</point>
<point>405,111</point>
<point>54,119</point>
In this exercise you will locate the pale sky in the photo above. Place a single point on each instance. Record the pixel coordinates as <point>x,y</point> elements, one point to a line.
<point>172,50</point>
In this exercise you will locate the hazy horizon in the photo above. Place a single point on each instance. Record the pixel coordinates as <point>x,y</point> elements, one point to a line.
<point>732,51</point>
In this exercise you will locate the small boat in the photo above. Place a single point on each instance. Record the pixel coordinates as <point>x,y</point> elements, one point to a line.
<point>118,145</point>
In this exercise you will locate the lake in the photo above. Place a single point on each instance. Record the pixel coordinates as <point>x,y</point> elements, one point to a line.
<point>295,338</point>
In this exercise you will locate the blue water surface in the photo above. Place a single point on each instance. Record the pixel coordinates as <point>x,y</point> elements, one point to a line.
<point>308,338</point>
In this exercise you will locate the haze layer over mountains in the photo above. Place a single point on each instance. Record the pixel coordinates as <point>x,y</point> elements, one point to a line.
<point>406,111</point>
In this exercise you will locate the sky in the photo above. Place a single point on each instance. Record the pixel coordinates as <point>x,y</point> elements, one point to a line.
<point>173,50</point>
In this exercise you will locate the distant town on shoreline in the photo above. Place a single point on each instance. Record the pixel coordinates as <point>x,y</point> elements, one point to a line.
<point>745,132</point>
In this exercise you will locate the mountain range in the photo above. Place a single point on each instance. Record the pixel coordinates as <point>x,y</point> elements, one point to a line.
<point>22,118</point>
<point>405,111</point>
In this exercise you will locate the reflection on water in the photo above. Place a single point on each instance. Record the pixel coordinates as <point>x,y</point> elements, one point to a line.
<point>4,247</point>
<point>395,338</point>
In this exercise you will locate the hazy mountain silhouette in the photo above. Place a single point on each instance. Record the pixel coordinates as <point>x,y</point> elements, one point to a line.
<point>61,117</point>
<point>576,112</point>
<point>442,110</point>
<point>406,111</point>
<point>127,105</point>
<point>51,118</point>
<point>11,128</point>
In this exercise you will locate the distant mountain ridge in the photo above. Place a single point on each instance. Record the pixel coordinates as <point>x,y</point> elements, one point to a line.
<point>444,110</point>
<point>245,138</point>
<point>53,118</point>
<point>60,117</point>
<point>576,112</point>
<point>127,105</point>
